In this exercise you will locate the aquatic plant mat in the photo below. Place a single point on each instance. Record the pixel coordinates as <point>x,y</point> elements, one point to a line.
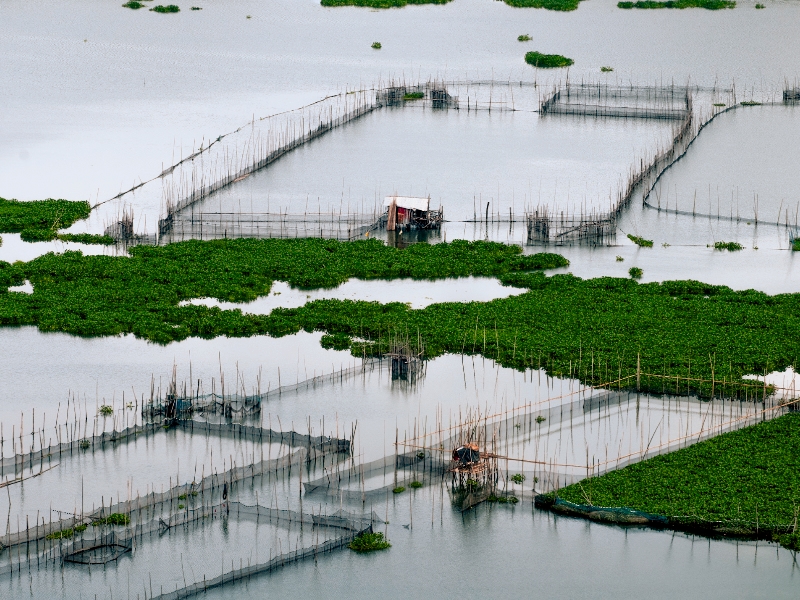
<point>743,483</point>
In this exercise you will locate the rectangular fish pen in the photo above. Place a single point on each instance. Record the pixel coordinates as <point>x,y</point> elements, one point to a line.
<point>639,102</point>
<point>545,227</point>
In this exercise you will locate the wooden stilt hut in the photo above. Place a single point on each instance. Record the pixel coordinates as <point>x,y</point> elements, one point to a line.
<point>407,212</point>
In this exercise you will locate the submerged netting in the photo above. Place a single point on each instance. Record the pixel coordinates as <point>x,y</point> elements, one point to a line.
<point>108,548</point>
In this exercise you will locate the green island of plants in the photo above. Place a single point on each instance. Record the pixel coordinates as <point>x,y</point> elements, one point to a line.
<point>595,329</point>
<point>368,542</point>
<point>606,69</point>
<point>169,8</point>
<point>750,103</point>
<point>414,96</point>
<point>380,3</point>
<point>796,245</point>
<point>560,5</point>
<point>524,38</point>
<point>707,4</point>
<point>415,484</point>
<point>744,483</point>
<point>16,216</point>
<point>112,519</point>
<point>133,4</point>
<point>66,533</point>
<point>635,272</point>
<point>547,61</point>
<point>399,489</point>
<point>640,241</point>
<point>376,46</point>
<point>729,246</point>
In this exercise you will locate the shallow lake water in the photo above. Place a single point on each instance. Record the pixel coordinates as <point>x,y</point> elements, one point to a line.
<point>97,98</point>
<point>418,293</point>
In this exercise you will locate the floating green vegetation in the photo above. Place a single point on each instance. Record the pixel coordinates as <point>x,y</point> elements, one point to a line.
<point>169,8</point>
<point>518,478</point>
<point>336,341</point>
<point>181,506</point>
<point>399,490</point>
<point>15,216</point>
<point>619,258</point>
<point>750,103</point>
<point>560,5</point>
<point>380,3</point>
<point>559,322</point>
<point>196,8</point>
<point>635,273</point>
<point>376,46</point>
<point>606,69</point>
<point>743,482</point>
<point>85,445</point>
<point>524,38</point>
<point>720,104</point>
<point>105,410</point>
<point>796,245</point>
<point>730,246</point>
<point>368,542</point>
<point>414,96</point>
<point>640,241</point>
<point>133,4</point>
<point>47,235</point>
<point>182,497</point>
<point>760,6</point>
<point>86,238</point>
<point>547,61</point>
<point>503,499</point>
<point>707,4</point>
<point>66,533</point>
<point>112,519</point>
<point>540,419</point>
<point>415,484</point>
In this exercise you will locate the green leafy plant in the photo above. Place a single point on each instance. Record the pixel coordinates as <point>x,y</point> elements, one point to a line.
<point>414,96</point>
<point>743,481</point>
<point>86,238</point>
<point>169,8</point>
<point>540,419</point>
<point>750,103</point>
<point>635,273</point>
<point>730,246</point>
<point>106,410</point>
<point>606,69</point>
<point>196,8</point>
<point>133,4</point>
<point>640,241</point>
<point>399,489</point>
<point>558,5</point>
<point>369,542</point>
<point>112,519</point>
<point>707,4</point>
<point>547,61</point>
<point>619,258</point>
<point>719,104</point>
<point>85,445</point>
<point>66,533</point>
<point>415,484</point>
<point>380,3</point>
<point>376,45</point>
<point>518,478</point>
<point>760,6</point>
<point>524,38</point>
<point>335,341</point>
<point>16,215</point>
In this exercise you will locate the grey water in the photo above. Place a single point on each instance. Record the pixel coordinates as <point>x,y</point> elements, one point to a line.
<point>97,98</point>
<point>511,161</point>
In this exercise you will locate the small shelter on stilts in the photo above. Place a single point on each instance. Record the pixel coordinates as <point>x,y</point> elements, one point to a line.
<point>407,212</point>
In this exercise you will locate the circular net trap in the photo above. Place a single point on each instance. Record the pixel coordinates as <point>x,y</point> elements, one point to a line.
<point>99,551</point>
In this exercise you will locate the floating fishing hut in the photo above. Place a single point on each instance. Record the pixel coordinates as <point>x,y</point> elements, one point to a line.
<point>408,212</point>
